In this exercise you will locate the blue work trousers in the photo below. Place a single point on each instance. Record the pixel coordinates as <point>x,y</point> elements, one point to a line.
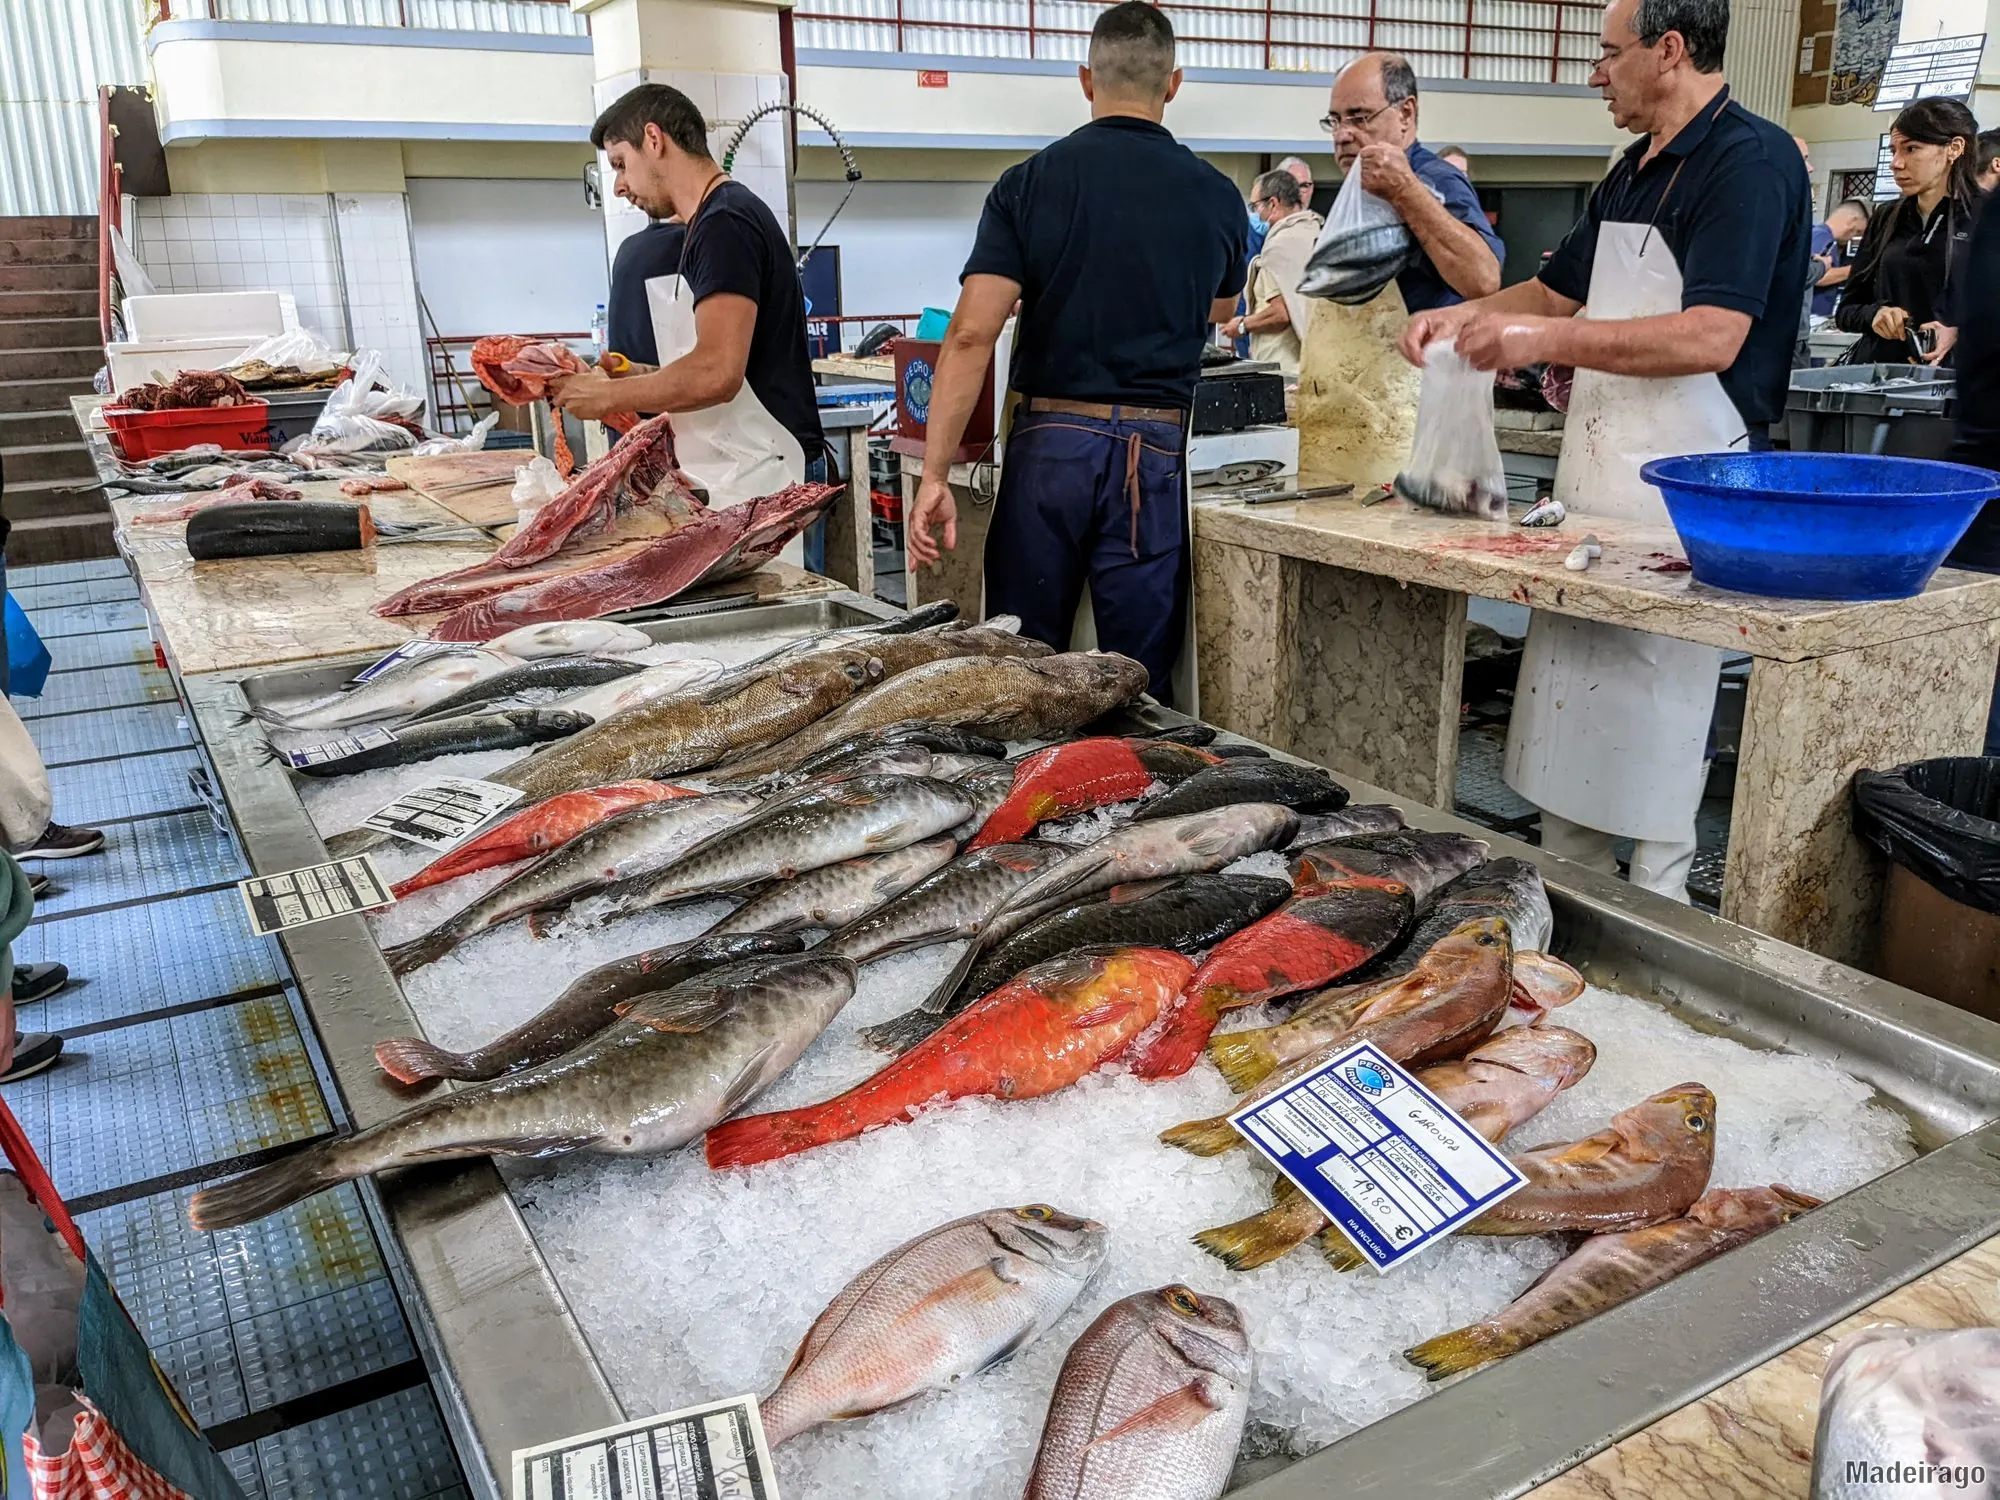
<point>1085,499</point>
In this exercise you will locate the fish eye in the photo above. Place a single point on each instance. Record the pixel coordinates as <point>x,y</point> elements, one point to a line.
<point>1183,1300</point>
<point>1697,1123</point>
<point>1038,1211</point>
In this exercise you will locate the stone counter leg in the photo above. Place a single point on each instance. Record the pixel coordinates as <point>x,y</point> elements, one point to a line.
<point>1343,668</point>
<point>1796,869</point>
<point>850,523</point>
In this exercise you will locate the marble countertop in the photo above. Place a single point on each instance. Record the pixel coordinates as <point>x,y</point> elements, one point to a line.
<point>1638,582</point>
<point>1754,1436</point>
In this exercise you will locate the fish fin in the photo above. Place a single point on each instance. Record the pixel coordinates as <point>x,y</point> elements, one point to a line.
<point>411,1059</point>
<point>265,1190</point>
<point>938,1001</point>
<point>747,1083</point>
<point>761,1138</point>
<point>1461,1350</point>
<point>1180,1410</point>
<point>1176,1047</point>
<point>667,1011</point>
<point>1339,1250</point>
<point>417,952</point>
<point>1244,1058</point>
<point>1203,1137</point>
<point>511,1145</point>
<point>1108,1014</point>
<point>1543,982</point>
<point>1008,1350</point>
<point>1261,1238</point>
<point>899,1034</point>
<point>987,1282</point>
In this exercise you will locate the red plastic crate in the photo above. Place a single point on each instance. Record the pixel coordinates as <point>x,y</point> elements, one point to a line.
<point>885,506</point>
<point>148,434</point>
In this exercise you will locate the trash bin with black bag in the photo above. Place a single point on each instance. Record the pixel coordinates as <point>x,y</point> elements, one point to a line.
<point>1939,823</point>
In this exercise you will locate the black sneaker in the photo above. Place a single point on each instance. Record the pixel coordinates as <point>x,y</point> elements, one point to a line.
<point>60,842</point>
<point>38,886</point>
<point>38,981</point>
<point>34,1052</point>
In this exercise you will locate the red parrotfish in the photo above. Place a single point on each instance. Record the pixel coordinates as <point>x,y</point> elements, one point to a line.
<point>1083,775</point>
<point>1052,1024</point>
<point>536,830</point>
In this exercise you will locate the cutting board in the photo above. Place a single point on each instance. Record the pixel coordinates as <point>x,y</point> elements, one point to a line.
<point>447,479</point>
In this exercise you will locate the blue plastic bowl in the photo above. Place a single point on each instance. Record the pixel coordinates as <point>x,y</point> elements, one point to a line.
<point>1818,525</point>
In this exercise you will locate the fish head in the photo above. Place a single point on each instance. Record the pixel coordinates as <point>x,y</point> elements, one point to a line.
<point>1100,676</point>
<point>565,720</point>
<point>1049,1237</point>
<point>1679,1121</point>
<point>1750,1210</point>
<point>1208,1333</point>
<point>1483,943</point>
<point>1551,1054</point>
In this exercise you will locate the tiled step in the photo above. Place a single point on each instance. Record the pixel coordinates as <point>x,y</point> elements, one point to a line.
<point>76,363</point>
<point>46,333</point>
<point>58,539</point>
<point>79,277</point>
<point>45,393</point>
<point>48,227</point>
<point>68,462</point>
<point>41,252</point>
<point>79,302</point>
<point>20,429</point>
<point>72,497</point>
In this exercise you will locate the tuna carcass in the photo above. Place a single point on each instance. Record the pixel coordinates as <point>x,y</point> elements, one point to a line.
<point>518,369</point>
<point>716,545</point>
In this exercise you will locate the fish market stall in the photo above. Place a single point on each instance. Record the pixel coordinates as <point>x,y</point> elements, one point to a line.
<point>565,1293</point>
<point>1335,630</point>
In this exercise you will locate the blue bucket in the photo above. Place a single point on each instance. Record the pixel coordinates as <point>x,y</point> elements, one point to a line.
<point>1818,525</point>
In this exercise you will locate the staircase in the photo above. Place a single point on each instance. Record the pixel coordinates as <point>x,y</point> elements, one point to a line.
<point>49,349</point>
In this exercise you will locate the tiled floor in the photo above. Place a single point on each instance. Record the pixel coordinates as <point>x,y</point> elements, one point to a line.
<point>185,1051</point>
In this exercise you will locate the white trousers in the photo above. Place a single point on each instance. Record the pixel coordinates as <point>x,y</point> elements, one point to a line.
<point>1658,865</point>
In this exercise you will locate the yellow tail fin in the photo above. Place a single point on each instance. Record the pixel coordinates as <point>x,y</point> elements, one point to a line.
<point>1244,1058</point>
<point>1339,1250</point>
<point>1265,1237</point>
<point>1461,1350</point>
<point>1203,1137</point>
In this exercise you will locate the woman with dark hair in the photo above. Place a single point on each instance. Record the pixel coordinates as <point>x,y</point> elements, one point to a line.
<point>1902,294</point>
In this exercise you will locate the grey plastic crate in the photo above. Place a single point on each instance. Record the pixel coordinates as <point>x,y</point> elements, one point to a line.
<point>1902,411</point>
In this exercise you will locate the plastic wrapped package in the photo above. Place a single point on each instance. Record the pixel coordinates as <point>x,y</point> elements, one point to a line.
<point>472,442</point>
<point>1909,1413</point>
<point>297,349</point>
<point>1361,249</point>
<point>355,417</point>
<point>536,483</point>
<point>1454,461</point>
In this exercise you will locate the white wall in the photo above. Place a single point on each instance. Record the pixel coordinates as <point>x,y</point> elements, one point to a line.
<point>902,244</point>
<point>507,256</point>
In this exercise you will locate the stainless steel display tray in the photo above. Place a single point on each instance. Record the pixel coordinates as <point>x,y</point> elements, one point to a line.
<point>515,1369</point>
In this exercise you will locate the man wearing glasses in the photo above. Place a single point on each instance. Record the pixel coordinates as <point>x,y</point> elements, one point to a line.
<point>1277,318</point>
<point>1374,127</point>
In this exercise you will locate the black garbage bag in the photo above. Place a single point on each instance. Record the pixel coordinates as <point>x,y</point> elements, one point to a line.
<point>1939,819</point>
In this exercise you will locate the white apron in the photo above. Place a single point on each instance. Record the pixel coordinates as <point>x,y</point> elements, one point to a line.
<point>1610,725</point>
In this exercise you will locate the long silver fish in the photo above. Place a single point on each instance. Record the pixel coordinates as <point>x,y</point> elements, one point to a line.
<point>952,1302</point>
<point>632,843</point>
<point>1891,1393</point>
<point>677,1062</point>
<point>648,686</point>
<point>952,904</point>
<point>408,688</point>
<point>1369,817</point>
<point>1150,1403</point>
<point>867,815</point>
<point>834,895</point>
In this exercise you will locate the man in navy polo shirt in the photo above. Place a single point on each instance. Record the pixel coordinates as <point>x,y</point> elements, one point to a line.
<point>1122,247</point>
<point>1692,258</point>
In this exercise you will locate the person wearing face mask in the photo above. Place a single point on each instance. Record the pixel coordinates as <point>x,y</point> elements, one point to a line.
<point>1693,257</point>
<point>1901,291</point>
<point>1276,321</point>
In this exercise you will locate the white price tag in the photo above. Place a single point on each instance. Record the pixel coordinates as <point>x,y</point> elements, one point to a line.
<point>340,749</point>
<point>443,814</point>
<point>713,1452</point>
<point>1380,1154</point>
<point>409,651</point>
<point>313,893</point>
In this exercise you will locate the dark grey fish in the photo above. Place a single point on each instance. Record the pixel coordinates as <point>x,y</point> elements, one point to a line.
<point>933,737</point>
<point>952,904</point>
<point>552,674</point>
<point>463,735</point>
<point>988,788</point>
<point>834,895</point>
<point>1509,888</point>
<point>1424,863</point>
<point>1306,788</point>
<point>579,1012</point>
<point>1349,822</point>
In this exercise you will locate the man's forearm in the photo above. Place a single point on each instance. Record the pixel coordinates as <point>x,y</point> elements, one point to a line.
<point>1681,343</point>
<point>1460,252</point>
<point>690,383</point>
<point>1272,315</point>
<point>955,387</point>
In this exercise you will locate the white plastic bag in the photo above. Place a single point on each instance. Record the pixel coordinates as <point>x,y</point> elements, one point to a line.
<point>1907,1396</point>
<point>1455,456</point>
<point>1361,248</point>
<point>472,442</point>
<point>352,421</point>
<point>296,349</point>
<point>536,483</point>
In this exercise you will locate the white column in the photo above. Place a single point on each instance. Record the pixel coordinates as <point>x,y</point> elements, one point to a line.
<point>1763,55</point>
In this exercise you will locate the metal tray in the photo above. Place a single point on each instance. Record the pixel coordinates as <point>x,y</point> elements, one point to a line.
<point>514,1368</point>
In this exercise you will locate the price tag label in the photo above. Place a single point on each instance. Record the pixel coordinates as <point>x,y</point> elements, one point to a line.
<point>313,893</point>
<point>410,650</point>
<point>340,749</point>
<point>713,1452</point>
<point>443,814</point>
<point>1380,1154</point>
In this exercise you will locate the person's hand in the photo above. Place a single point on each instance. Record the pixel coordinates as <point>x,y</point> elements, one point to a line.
<point>1232,329</point>
<point>1427,328</point>
<point>1947,336</point>
<point>1891,323</point>
<point>1386,172</point>
<point>591,395</point>
<point>1506,341</point>
<point>933,507</point>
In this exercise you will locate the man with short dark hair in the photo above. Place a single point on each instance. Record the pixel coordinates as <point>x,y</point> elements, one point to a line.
<point>1692,257</point>
<point>1122,247</point>
<point>731,326</point>
<point>1986,153</point>
<point>1833,244</point>
<point>1276,321</point>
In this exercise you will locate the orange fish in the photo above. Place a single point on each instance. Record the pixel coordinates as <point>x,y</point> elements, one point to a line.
<point>536,830</point>
<point>1082,775</point>
<point>1052,1024</point>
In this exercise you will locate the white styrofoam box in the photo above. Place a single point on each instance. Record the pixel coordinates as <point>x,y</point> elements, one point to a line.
<point>181,315</point>
<point>138,361</point>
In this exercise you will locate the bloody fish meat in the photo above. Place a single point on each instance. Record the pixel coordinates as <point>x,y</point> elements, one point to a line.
<point>536,830</point>
<point>1083,775</point>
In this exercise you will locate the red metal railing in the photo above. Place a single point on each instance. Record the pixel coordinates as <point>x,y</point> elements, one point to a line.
<point>110,207</point>
<point>823,335</point>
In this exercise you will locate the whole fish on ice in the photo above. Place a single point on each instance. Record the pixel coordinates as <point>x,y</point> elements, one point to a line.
<point>1889,1393</point>
<point>954,903</point>
<point>466,734</point>
<point>408,688</point>
<point>1084,774</point>
<point>1150,1403</point>
<point>1349,822</point>
<point>1510,888</point>
<point>954,1301</point>
<point>549,675</point>
<point>536,830</point>
<point>1305,788</point>
<point>673,1064</point>
<point>835,895</point>
<point>570,638</point>
<point>646,686</point>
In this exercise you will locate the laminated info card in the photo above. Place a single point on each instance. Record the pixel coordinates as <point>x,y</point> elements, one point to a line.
<point>713,1452</point>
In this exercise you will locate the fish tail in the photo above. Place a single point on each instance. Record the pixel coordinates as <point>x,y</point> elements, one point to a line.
<point>266,1189</point>
<point>417,952</point>
<point>1461,1350</point>
<point>1261,1238</point>
<point>1177,1046</point>
<point>1339,1249</point>
<point>900,1033</point>
<point>762,1138</point>
<point>411,1059</point>
<point>1209,1137</point>
<point>1244,1058</point>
